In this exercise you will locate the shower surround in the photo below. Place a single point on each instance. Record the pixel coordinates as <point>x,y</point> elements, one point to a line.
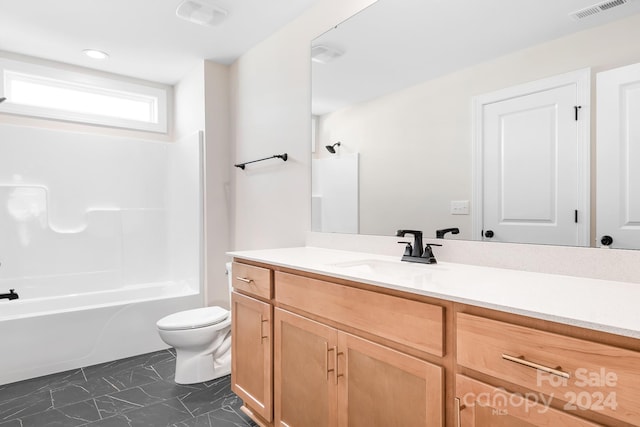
<point>100,237</point>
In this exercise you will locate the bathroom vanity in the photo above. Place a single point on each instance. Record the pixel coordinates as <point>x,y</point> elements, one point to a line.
<point>324,337</point>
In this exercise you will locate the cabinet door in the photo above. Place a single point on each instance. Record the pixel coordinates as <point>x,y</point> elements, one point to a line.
<point>251,349</point>
<point>482,405</point>
<point>304,372</point>
<point>381,387</point>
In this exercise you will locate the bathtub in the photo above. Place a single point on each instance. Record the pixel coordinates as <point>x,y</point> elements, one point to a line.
<point>40,336</point>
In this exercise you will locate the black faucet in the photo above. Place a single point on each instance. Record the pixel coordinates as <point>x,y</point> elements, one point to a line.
<point>416,249</point>
<point>440,233</point>
<point>415,253</point>
<point>11,295</point>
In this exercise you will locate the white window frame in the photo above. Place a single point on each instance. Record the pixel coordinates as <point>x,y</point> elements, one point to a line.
<point>16,71</point>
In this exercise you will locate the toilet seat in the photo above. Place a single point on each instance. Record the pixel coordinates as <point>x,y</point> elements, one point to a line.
<point>192,319</point>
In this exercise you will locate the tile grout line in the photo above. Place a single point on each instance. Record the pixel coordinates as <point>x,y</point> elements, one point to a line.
<point>95,404</point>
<point>185,407</point>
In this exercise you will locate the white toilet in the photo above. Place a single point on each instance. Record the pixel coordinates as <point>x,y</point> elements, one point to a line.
<point>202,340</point>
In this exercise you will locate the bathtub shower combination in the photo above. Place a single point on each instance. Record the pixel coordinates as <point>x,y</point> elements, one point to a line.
<point>100,237</point>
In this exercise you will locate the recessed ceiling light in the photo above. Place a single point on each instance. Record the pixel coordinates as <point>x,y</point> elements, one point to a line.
<point>95,54</point>
<point>201,12</point>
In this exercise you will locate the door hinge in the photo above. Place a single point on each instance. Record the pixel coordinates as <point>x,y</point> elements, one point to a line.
<point>576,108</point>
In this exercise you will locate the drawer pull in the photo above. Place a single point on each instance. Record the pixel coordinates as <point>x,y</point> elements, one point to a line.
<point>522,361</point>
<point>459,407</point>
<point>262,322</point>
<point>336,371</point>
<point>242,279</point>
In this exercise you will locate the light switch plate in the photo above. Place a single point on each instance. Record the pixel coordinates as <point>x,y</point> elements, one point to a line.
<point>459,207</point>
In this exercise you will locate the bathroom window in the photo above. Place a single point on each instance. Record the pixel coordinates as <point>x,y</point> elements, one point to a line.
<point>39,91</point>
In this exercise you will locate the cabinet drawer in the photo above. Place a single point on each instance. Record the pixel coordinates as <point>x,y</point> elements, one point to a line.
<point>584,374</point>
<point>252,280</point>
<point>482,405</point>
<point>415,324</point>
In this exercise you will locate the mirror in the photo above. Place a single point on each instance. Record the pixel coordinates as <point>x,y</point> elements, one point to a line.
<point>395,86</point>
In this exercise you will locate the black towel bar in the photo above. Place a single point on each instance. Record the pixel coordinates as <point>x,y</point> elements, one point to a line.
<point>284,157</point>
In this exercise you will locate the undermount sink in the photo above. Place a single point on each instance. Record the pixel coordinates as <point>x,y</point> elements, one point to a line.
<point>401,271</point>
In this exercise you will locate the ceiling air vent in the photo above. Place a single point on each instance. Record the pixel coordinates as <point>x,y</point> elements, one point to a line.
<point>323,54</point>
<point>596,8</point>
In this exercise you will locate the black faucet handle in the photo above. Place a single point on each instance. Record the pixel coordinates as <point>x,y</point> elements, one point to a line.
<point>427,249</point>
<point>408,249</point>
<point>428,253</point>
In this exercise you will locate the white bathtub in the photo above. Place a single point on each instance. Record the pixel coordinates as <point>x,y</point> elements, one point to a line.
<point>40,336</point>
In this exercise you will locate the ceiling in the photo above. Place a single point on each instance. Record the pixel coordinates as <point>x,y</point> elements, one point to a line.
<point>394,44</point>
<point>144,38</point>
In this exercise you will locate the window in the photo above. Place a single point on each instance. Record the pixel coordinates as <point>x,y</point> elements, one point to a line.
<point>40,91</point>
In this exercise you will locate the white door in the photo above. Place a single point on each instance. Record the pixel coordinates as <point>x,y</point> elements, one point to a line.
<point>534,162</point>
<point>618,158</point>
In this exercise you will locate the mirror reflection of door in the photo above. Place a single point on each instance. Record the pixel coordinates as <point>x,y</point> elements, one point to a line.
<point>618,154</point>
<point>532,154</point>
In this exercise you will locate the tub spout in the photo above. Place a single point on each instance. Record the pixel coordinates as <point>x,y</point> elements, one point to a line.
<point>11,295</point>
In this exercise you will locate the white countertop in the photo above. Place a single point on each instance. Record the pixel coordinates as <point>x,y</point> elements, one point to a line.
<point>602,305</point>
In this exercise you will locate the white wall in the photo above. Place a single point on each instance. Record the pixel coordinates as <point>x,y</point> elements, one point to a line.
<point>218,164</point>
<point>271,113</point>
<point>189,105</point>
<point>202,103</point>
<point>421,136</point>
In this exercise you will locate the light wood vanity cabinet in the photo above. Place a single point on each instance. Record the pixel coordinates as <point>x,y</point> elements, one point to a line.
<point>312,351</point>
<point>397,320</point>
<point>583,377</point>
<point>326,377</point>
<point>251,341</point>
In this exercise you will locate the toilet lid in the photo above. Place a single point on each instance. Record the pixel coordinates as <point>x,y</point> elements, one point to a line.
<point>196,318</point>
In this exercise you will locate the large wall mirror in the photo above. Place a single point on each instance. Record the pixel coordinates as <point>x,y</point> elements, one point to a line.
<point>403,94</point>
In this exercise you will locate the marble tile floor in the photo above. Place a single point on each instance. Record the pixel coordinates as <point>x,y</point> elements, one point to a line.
<point>132,392</point>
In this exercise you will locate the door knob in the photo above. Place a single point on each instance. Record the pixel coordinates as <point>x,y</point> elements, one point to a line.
<point>488,234</point>
<point>606,240</point>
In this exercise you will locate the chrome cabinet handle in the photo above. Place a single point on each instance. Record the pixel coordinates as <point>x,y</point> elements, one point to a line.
<point>522,361</point>
<point>242,279</point>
